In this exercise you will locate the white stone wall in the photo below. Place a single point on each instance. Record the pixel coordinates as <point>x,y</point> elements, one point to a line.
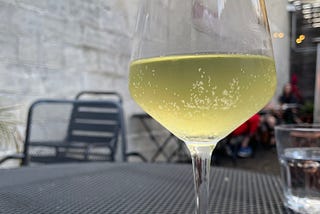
<point>56,48</point>
<point>279,23</point>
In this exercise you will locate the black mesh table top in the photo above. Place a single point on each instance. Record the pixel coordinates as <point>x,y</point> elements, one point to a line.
<point>133,188</point>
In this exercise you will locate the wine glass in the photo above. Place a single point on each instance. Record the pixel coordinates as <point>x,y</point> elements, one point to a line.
<point>201,68</point>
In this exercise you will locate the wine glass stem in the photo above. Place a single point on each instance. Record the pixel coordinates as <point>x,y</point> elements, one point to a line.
<point>201,158</point>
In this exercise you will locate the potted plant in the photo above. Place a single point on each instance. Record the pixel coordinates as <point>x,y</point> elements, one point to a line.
<point>8,142</point>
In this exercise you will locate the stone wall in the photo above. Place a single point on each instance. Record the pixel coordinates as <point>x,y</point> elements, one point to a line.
<point>56,48</point>
<point>279,23</point>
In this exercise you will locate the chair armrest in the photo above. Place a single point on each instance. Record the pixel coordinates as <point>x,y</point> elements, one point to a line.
<point>137,154</point>
<point>14,156</point>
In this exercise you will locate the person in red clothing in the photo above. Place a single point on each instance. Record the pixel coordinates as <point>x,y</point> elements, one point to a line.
<point>243,134</point>
<point>295,90</point>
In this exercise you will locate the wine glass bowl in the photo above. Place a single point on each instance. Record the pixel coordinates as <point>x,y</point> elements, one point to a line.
<point>202,98</point>
<point>201,68</point>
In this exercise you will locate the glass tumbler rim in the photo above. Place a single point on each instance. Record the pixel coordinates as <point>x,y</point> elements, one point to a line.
<point>303,127</point>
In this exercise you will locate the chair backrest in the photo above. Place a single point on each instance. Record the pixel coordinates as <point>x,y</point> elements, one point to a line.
<point>91,122</point>
<point>95,122</point>
<point>99,95</point>
<point>114,96</point>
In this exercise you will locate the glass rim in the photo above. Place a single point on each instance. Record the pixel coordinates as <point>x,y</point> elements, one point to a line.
<point>304,127</point>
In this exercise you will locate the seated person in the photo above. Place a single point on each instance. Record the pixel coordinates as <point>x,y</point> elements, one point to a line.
<point>240,137</point>
<point>289,104</point>
<point>268,122</point>
<point>270,116</point>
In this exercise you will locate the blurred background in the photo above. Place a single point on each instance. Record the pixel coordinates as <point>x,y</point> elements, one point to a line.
<point>56,48</point>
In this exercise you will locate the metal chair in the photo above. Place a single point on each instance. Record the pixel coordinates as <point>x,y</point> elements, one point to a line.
<point>90,124</point>
<point>111,95</point>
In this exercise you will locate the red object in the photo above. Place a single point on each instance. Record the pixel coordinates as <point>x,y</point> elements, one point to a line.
<point>294,88</point>
<point>294,79</point>
<point>249,127</point>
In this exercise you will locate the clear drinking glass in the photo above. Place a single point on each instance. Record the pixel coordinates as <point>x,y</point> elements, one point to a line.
<point>201,68</point>
<point>298,147</point>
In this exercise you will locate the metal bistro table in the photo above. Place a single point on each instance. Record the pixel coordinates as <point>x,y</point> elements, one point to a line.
<point>133,188</point>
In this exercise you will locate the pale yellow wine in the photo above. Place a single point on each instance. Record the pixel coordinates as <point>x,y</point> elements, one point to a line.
<point>202,98</point>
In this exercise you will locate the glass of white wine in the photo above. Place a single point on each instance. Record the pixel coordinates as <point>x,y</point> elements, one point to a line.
<point>201,68</point>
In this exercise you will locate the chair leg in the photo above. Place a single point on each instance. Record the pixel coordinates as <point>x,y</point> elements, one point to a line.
<point>234,149</point>
<point>57,151</point>
<point>60,153</point>
<point>86,153</point>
